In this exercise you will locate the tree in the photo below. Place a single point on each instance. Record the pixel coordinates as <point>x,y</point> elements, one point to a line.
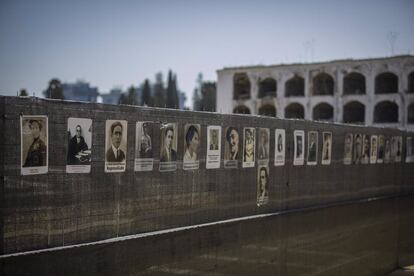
<point>146,94</point>
<point>23,93</point>
<point>54,90</point>
<point>172,97</point>
<point>129,97</point>
<point>197,92</point>
<point>159,91</point>
<point>208,96</point>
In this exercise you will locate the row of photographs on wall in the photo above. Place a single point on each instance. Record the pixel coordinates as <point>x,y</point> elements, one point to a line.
<point>359,148</point>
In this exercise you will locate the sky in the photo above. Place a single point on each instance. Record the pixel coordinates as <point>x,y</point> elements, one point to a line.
<point>120,43</point>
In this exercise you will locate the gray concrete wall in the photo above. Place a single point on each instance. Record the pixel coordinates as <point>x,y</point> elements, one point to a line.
<point>60,209</point>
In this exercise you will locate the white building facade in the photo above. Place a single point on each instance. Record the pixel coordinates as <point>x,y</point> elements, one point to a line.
<point>368,91</point>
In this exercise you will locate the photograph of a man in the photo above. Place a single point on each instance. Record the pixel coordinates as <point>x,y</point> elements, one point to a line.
<point>348,149</point>
<point>262,185</point>
<point>144,160</point>
<point>280,147</point>
<point>263,151</point>
<point>357,149</point>
<point>381,142</point>
<point>213,156</point>
<point>145,141</point>
<point>79,151</point>
<point>214,140</point>
<point>232,144</point>
<point>168,143</point>
<point>326,148</point>
<point>249,147</point>
<point>116,145</point>
<point>298,155</point>
<point>374,149</point>
<point>34,153</point>
<point>312,147</point>
<point>365,149</point>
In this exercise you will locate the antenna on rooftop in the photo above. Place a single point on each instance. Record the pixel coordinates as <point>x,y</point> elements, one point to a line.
<point>392,38</point>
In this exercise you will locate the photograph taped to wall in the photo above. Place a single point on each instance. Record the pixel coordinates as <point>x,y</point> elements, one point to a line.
<point>365,149</point>
<point>34,151</point>
<point>115,145</point>
<point>263,146</point>
<point>232,148</point>
<point>213,147</point>
<point>326,148</point>
<point>409,150</point>
<point>357,149</point>
<point>280,147</point>
<point>387,150</point>
<point>249,145</point>
<point>348,148</point>
<point>262,185</point>
<point>381,143</point>
<point>312,148</point>
<point>374,149</point>
<point>168,147</point>
<point>144,151</point>
<point>299,151</point>
<point>398,149</point>
<point>192,136</point>
<point>79,149</point>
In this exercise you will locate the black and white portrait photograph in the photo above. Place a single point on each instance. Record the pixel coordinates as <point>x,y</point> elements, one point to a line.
<point>168,147</point>
<point>365,149</point>
<point>326,148</point>
<point>387,150</point>
<point>398,149</point>
<point>356,157</point>
<point>299,148</point>
<point>348,148</point>
<point>279,147</point>
<point>312,148</point>
<point>381,149</point>
<point>192,136</point>
<point>374,149</point>
<point>262,185</point>
<point>232,151</point>
<point>115,145</point>
<point>79,145</point>
<point>34,144</point>
<point>249,144</point>
<point>213,147</point>
<point>144,151</point>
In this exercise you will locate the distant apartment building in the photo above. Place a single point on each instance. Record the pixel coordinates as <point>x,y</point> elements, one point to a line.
<point>80,91</point>
<point>112,97</point>
<point>377,91</point>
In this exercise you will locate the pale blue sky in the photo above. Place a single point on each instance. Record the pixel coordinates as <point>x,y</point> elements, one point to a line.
<point>119,43</point>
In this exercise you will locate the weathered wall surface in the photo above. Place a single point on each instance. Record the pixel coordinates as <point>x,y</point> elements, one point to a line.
<point>58,209</point>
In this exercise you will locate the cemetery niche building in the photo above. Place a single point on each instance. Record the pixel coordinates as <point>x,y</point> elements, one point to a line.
<point>377,91</point>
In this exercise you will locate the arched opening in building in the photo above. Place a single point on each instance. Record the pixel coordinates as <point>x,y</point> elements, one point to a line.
<point>295,87</point>
<point>323,84</point>
<point>386,83</point>
<point>241,86</point>
<point>354,84</point>
<point>411,82</point>
<point>267,88</point>
<point>386,112</point>
<point>241,109</point>
<point>323,112</point>
<point>354,112</point>
<point>294,111</point>
<point>410,114</point>
<point>267,110</point>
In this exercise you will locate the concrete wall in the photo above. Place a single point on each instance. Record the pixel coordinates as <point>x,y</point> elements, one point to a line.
<point>59,209</point>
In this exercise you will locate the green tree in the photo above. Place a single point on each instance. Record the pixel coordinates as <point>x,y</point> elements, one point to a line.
<point>23,93</point>
<point>54,90</point>
<point>129,97</point>
<point>159,91</point>
<point>197,93</point>
<point>172,97</point>
<point>208,96</point>
<point>146,94</point>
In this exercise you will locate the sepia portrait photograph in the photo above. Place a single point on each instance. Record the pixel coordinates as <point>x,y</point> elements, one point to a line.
<point>279,147</point>
<point>264,144</point>
<point>262,185</point>
<point>168,147</point>
<point>326,148</point>
<point>79,145</point>
<point>365,149</point>
<point>374,149</point>
<point>348,148</point>
<point>312,148</point>
<point>144,151</point>
<point>231,148</point>
<point>213,147</point>
<point>299,151</point>
<point>249,144</point>
<point>192,137</point>
<point>34,144</point>
<point>115,145</point>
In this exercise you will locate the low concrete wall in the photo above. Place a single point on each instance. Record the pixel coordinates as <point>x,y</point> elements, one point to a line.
<point>59,209</point>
